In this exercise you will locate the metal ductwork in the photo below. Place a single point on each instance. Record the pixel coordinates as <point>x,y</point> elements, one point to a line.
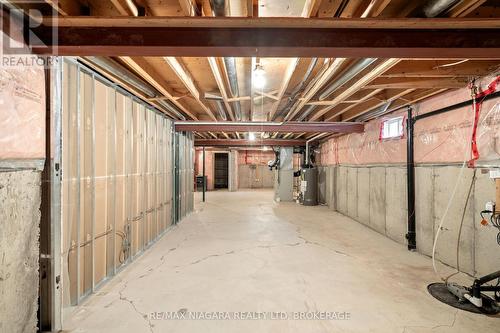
<point>220,109</point>
<point>380,111</point>
<point>435,7</point>
<point>347,76</point>
<point>297,88</point>
<point>171,108</point>
<point>233,83</point>
<point>117,70</point>
<point>307,111</point>
<point>218,7</point>
<point>219,104</point>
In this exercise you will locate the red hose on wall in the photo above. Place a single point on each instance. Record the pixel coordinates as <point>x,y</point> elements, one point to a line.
<point>479,97</point>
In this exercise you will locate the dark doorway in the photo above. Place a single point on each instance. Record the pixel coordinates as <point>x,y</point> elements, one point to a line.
<point>221,170</point>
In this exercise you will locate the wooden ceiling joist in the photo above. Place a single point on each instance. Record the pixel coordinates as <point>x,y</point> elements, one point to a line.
<point>360,83</point>
<point>147,72</point>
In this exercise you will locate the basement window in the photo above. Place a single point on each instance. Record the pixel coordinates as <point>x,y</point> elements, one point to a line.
<point>392,128</point>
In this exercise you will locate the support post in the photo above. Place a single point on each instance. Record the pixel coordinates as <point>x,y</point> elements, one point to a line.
<point>410,174</point>
<point>204,182</point>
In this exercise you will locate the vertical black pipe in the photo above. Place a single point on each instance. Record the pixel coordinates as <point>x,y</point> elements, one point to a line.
<point>410,174</point>
<point>204,179</point>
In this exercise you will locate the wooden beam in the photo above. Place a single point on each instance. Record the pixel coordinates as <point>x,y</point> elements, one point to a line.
<point>125,7</point>
<point>323,78</point>
<point>287,127</point>
<point>188,7</point>
<point>270,37</point>
<point>463,8</point>
<point>422,83</point>
<point>220,83</point>
<point>362,99</point>
<point>248,143</point>
<point>65,7</point>
<point>147,72</point>
<point>188,82</point>
<point>239,99</point>
<point>442,69</point>
<point>362,82</point>
<point>270,94</point>
<point>329,8</point>
<point>369,106</point>
<point>354,104</point>
<point>290,69</point>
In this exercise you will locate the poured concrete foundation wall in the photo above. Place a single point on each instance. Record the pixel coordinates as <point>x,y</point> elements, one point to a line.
<point>376,197</point>
<point>364,178</point>
<point>19,251</point>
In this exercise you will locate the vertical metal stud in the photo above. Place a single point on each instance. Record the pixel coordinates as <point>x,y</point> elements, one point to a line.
<point>79,176</point>
<point>93,183</point>
<point>56,235</point>
<point>115,154</point>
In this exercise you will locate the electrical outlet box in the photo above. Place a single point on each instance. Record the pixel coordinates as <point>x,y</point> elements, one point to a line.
<point>490,205</point>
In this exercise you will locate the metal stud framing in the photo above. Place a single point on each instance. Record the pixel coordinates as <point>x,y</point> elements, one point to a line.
<point>144,136</point>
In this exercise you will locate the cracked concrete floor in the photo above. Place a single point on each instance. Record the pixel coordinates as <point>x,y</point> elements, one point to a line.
<point>242,252</point>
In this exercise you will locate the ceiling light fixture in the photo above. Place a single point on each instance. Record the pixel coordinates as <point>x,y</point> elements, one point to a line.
<point>259,76</point>
<point>251,136</point>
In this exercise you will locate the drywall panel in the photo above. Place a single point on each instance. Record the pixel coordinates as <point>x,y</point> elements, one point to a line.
<point>377,199</point>
<point>364,195</point>
<point>487,251</point>
<point>19,224</point>
<point>446,250</point>
<point>396,218</point>
<point>341,193</point>
<point>424,209</point>
<point>352,192</point>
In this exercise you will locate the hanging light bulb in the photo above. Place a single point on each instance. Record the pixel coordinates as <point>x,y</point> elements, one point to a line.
<point>259,76</point>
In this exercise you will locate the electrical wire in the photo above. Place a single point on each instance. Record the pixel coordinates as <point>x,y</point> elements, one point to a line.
<point>473,181</point>
<point>467,151</point>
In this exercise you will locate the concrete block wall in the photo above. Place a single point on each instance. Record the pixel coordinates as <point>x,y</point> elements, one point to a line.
<point>376,196</point>
<point>20,197</point>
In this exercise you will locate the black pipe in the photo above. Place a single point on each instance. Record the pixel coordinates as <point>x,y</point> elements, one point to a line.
<point>204,179</point>
<point>455,106</point>
<point>410,164</point>
<point>410,179</point>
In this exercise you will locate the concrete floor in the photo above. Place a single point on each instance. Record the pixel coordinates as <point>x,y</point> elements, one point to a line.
<point>242,252</point>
